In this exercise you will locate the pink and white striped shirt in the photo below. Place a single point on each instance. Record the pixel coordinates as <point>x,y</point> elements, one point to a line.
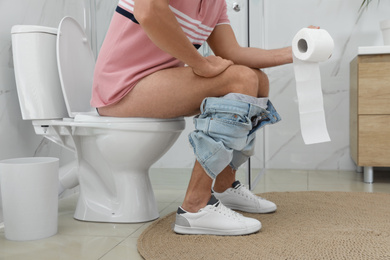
<point>128,55</point>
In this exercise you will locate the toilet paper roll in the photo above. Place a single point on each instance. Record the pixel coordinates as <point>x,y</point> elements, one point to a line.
<point>311,46</point>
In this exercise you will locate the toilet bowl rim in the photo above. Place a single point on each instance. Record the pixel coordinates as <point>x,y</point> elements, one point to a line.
<point>95,118</point>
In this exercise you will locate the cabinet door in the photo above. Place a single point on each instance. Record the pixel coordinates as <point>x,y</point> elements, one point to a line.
<point>374,140</point>
<point>374,88</point>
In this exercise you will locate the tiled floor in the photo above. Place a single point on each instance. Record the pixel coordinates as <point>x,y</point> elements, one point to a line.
<point>83,240</point>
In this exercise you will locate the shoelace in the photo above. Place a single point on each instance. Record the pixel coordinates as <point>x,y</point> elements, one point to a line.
<point>226,211</point>
<point>244,191</point>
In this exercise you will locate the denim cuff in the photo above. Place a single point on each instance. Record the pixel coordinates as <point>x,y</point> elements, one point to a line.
<point>213,156</point>
<point>225,132</point>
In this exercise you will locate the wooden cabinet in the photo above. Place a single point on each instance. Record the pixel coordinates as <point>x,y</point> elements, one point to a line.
<point>370,112</point>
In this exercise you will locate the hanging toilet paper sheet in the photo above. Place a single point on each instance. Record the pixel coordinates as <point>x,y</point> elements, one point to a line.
<point>311,46</point>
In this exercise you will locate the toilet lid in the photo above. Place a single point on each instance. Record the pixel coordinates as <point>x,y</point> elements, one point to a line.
<point>76,64</point>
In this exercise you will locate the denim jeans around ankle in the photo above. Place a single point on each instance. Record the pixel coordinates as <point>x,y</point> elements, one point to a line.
<point>225,132</point>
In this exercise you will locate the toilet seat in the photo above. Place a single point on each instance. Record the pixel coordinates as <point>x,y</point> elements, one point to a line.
<point>117,123</point>
<point>74,54</point>
<point>129,123</point>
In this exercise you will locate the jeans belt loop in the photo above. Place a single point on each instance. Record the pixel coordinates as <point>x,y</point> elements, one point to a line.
<point>202,124</point>
<point>203,105</point>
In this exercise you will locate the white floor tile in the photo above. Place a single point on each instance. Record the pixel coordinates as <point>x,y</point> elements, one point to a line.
<point>59,247</point>
<point>125,250</point>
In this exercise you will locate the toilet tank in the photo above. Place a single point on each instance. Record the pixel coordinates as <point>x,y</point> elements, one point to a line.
<point>36,72</point>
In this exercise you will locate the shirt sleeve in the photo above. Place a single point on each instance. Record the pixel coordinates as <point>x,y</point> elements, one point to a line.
<point>223,19</point>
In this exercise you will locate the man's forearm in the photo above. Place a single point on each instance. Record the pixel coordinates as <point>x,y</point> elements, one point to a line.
<point>260,58</point>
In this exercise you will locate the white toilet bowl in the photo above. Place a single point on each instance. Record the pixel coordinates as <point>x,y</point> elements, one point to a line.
<point>113,155</point>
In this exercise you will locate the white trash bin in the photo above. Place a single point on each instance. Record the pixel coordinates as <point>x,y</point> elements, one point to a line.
<point>29,189</point>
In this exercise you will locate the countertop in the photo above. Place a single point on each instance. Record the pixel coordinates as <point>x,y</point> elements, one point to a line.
<point>369,50</point>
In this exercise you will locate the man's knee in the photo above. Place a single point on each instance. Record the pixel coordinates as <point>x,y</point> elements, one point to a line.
<point>242,80</point>
<point>263,89</point>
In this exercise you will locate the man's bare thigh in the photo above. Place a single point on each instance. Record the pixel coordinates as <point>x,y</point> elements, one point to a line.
<point>167,93</point>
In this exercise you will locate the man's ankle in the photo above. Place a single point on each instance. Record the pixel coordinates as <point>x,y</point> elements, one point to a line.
<point>222,187</point>
<point>194,205</point>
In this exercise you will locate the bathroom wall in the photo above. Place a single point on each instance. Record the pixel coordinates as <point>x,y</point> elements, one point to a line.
<point>349,29</point>
<point>17,137</point>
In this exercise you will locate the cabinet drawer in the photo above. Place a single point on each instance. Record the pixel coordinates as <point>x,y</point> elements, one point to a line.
<point>374,88</point>
<point>374,140</point>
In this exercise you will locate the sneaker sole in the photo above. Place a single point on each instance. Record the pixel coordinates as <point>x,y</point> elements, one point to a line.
<point>250,209</point>
<point>207,231</point>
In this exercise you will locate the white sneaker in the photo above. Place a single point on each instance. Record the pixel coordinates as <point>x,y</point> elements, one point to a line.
<point>240,198</point>
<point>214,219</point>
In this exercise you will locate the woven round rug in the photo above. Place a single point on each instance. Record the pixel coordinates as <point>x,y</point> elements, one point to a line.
<point>307,225</point>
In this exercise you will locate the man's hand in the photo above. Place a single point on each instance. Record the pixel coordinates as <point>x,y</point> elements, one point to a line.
<point>213,66</point>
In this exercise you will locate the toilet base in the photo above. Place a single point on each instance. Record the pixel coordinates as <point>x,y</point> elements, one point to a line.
<point>133,201</point>
<point>88,216</point>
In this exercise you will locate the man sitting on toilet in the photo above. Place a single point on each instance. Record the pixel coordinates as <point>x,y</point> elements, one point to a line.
<point>141,72</point>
